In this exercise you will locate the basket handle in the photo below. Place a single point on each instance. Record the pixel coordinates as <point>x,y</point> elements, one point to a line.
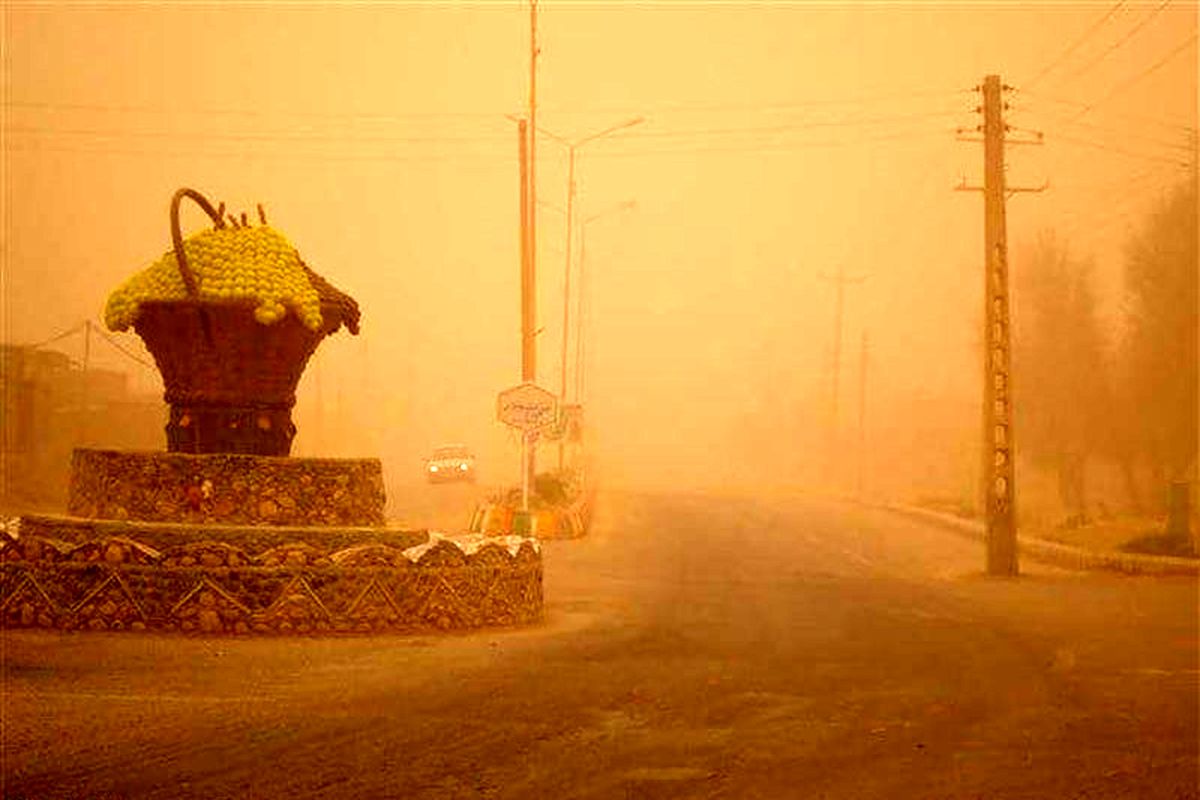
<point>185,271</point>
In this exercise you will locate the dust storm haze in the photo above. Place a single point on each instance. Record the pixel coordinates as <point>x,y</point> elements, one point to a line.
<point>778,147</point>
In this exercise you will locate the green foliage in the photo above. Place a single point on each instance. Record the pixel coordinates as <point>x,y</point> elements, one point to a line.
<point>1061,373</point>
<point>549,490</point>
<point>1160,349</point>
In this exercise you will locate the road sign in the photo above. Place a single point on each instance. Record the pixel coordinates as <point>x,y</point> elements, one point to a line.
<point>527,407</point>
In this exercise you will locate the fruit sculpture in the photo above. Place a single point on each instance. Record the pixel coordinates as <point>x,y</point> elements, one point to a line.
<point>231,316</point>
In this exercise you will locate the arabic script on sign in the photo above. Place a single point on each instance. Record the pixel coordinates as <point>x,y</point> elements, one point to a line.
<point>528,407</point>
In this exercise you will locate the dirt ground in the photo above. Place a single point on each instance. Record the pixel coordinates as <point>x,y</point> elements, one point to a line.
<point>693,647</point>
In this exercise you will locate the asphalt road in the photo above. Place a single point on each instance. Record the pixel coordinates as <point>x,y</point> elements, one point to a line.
<point>693,647</point>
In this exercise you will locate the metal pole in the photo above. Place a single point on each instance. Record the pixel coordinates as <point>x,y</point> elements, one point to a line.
<point>562,394</point>
<point>524,470</point>
<point>579,315</point>
<point>533,54</point>
<point>531,376</point>
<point>85,410</point>
<point>528,295</point>
<point>862,411</point>
<point>841,279</point>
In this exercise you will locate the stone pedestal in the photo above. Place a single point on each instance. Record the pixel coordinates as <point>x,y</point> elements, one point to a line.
<point>239,545</point>
<point>226,488</point>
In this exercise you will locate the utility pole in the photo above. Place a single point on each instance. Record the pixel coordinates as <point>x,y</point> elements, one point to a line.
<point>562,390</point>
<point>528,294</point>
<point>840,281</point>
<point>998,452</point>
<point>572,147</point>
<point>532,176</point>
<point>862,411</point>
<point>85,410</point>
<point>529,372</point>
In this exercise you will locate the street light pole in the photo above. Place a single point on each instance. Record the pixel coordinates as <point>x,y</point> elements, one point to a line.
<point>579,328</point>
<point>562,390</point>
<point>572,147</point>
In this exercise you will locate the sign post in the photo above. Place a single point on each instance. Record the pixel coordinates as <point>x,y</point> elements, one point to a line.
<point>529,408</point>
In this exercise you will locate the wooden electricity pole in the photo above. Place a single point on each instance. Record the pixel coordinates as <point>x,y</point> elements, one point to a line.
<point>998,452</point>
<point>840,280</point>
<point>862,413</point>
<point>999,494</point>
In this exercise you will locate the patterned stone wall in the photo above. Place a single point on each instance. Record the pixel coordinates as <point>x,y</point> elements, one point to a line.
<point>222,488</point>
<point>116,583</point>
<point>251,538</point>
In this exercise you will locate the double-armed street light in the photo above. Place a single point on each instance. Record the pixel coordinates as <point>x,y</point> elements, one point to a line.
<point>628,205</point>
<point>573,146</point>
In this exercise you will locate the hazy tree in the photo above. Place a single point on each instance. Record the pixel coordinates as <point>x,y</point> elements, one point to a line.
<point>1160,347</point>
<point>1060,374</point>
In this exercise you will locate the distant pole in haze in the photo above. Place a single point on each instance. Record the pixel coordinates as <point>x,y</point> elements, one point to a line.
<point>998,454</point>
<point>84,385</point>
<point>840,280</point>
<point>862,411</point>
<point>562,390</point>
<point>572,147</point>
<point>583,290</point>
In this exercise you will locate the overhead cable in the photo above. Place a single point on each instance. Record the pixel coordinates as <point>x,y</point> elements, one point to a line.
<point>1120,150</point>
<point>1139,76</point>
<point>1104,54</point>
<point>1075,45</point>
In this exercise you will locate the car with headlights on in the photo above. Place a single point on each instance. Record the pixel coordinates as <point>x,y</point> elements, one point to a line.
<point>450,463</point>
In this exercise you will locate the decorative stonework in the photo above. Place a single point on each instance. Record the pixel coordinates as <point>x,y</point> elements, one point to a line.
<point>267,541</point>
<point>117,583</point>
<point>225,488</point>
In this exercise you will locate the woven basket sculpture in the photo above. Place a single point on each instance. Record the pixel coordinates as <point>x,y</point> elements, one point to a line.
<point>230,379</point>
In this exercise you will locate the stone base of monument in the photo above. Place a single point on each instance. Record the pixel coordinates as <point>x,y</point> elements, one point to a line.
<point>220,567</point>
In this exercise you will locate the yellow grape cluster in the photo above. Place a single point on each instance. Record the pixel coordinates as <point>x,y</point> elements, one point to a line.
<point>229,264</point>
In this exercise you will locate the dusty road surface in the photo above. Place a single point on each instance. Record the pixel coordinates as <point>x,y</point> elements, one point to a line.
<point>693,647</point>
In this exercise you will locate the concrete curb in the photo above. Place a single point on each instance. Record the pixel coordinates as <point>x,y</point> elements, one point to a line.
<point>1060,554</point>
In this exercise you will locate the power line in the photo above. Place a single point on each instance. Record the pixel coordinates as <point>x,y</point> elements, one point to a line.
<point>119,348</point>
<point>780,107</point>
<point>487,160</point>
<point>790,127</point>
<point>1145,21</point>
<point>1132,134</point>
<point>1165,123</point>
<point>56,337</point>
<point>1086,35</point>
<point>1144,73</point>
<point>496,114</point>
<point>392,139</point>
<point>768,146</point>
<point>1120,150</point>
<point>243,112</point>
<point>261,137</point>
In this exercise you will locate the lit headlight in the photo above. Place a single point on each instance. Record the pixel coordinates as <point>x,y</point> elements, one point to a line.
<point>433,468</point>
<point>463,467</point>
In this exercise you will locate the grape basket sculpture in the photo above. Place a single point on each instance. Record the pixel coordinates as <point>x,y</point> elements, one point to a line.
<point>232,342</point>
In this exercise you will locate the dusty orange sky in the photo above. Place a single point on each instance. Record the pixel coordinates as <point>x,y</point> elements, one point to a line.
<point>781,141</point>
